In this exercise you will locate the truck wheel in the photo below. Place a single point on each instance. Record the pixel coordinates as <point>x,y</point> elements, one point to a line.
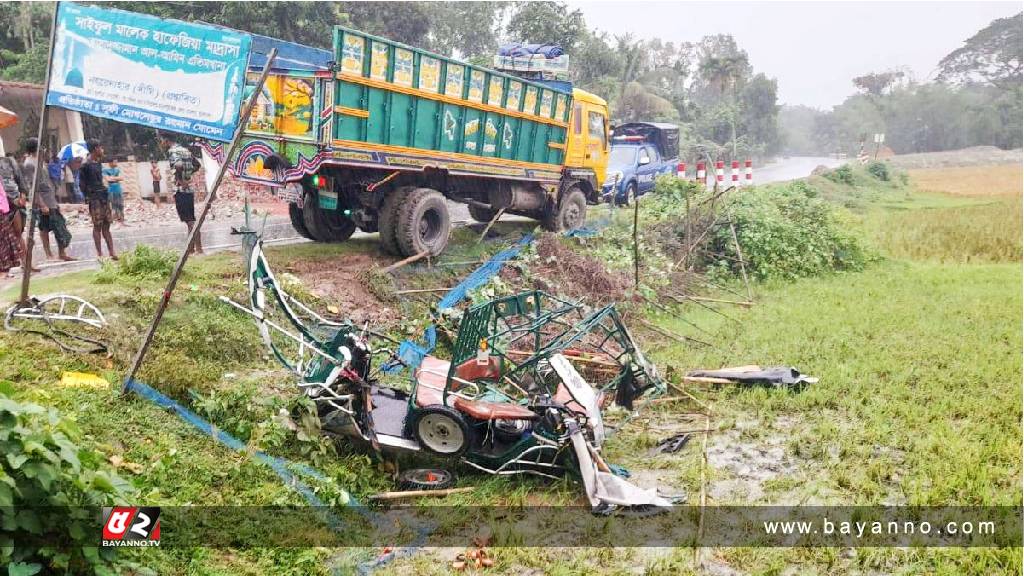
<point>423,223</point>
<point>387,219</point>
<point>481,214</point>
<point>570,214</point>
<point>324,225</point>
<point>295,215</point>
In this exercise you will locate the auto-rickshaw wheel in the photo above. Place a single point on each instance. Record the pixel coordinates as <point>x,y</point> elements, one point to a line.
<point>441,430</point>
<point>426,479</point>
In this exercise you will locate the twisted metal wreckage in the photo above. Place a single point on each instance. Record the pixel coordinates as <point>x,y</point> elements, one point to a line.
<point>510,400</point>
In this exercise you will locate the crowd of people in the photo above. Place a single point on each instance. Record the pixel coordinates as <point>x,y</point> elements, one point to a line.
<point>95,181</point>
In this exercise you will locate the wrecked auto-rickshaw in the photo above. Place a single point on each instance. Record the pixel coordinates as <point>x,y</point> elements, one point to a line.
<point>509,401</point>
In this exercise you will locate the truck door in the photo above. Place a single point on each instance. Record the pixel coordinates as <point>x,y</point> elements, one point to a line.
<point>576,141</point>
<point>595,155</point>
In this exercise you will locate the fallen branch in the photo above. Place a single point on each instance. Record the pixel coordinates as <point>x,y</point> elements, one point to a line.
<point>487,228</point>
<point>672,335</point>
<point>408,260</point>
<point>703,299</point>
<point>421,290</point>
<point>420,493</point>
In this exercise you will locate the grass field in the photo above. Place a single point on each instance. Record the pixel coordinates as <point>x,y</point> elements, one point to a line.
<point>973,181</point>
<point>919,400</point>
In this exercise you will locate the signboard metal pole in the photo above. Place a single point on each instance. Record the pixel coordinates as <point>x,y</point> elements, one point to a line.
<point>30,228</point>
<point>243,120</point>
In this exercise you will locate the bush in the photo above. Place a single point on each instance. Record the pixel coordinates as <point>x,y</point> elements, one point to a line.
<point>841,175</point>
<point>788,232</point>
<point>142,263</point>
<point>879,170</point>
<point>49,489</point>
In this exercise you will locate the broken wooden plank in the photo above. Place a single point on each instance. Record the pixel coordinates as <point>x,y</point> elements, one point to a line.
<point>405,261</point>
<point>421,291</point>
<point>420,493</point>
<point>720,301</point>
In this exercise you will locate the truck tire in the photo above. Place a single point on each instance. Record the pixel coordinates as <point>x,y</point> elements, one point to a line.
<point>629,195</point>
<point>570,213</point>
<point>325,225</point>
<point>387,219</point>
<point>295,215</point>
<point>481,214</point>
<point>423,223</point>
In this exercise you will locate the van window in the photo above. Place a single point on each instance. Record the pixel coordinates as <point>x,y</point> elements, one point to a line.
<point>578,120</point>
<point>596,127</point>
<point>645,156</point>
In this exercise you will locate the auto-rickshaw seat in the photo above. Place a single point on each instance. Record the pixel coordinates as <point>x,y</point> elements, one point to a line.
<point>481,410</point>
<point>430,380</point>
<point>472,371</point>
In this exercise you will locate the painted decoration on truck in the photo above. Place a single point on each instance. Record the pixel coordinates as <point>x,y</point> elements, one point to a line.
<point>560,104</point>
<point>506,136</point>
<point>469,134</point>
<point>490,136</point>
<point>453,84</point>
<point>284,106</point>
<point>515,95</point>
<point>545,103</point>
<point>449,125</point>
<point>430,73</point>
<point>379,61</point>
<point>352,55</point>
<point>494,91</point>
<point>403,67</point>
<point>476,86</point>
<point>530,101</point>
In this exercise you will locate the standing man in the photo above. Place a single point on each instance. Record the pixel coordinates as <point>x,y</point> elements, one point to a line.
<point>45,206</point>
<point>183,167</point>
<point>56,174</point>
<point>90,178</point>
<point>10,173</point>
<point>154,173</point>
<point>113,178</point>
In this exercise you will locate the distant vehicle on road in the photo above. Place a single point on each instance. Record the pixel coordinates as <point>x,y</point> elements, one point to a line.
<point>641,151</point>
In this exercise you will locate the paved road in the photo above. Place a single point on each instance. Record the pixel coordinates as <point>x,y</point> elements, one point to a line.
<point>792,168</point>
<point>217,233</point>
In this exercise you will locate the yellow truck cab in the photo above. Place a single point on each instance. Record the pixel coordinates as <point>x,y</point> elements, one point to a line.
<point>588,142</point>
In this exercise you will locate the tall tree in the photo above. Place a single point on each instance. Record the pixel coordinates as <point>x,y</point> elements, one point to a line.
<point>992,56</point>
<point>547,23</point>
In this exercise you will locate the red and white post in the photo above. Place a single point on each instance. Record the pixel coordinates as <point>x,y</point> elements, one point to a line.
<point>720,171</point>
<point>681,170</point>
<point>735,172</point>
<point>702,174</point>
<point>748,168</point>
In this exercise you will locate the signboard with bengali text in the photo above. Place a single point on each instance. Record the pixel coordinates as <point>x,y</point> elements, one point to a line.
<point>136,68</point>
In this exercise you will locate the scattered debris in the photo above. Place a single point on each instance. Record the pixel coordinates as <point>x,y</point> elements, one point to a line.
<point>475,558</point>
<point>509,401</point>
<point>83,380</point>
<point>672,444</point>
<point>777,376</point>
<point>53,316</point>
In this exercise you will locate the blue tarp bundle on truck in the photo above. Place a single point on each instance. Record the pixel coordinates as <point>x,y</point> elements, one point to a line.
<point>546,50</point>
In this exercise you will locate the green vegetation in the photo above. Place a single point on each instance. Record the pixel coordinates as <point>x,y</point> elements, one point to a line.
<point>47,484</point>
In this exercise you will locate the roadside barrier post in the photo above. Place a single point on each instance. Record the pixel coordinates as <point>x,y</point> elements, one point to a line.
<point>748,167</point>
<point>735,172</point>
<point>720,172</point>
<point>702,175</point>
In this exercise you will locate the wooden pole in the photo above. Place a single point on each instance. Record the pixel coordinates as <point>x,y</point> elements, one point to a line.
<point>487,228</point>
<point>420,493</point>
<point>636,241</point>
<point>243,120</point>
<point>30,229</point>
<point>743,266</point>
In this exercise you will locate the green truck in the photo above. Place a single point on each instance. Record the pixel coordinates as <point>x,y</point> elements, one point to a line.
<point>379,136</point>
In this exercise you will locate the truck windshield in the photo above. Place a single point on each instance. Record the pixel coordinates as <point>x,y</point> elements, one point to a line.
<point>622,155</point>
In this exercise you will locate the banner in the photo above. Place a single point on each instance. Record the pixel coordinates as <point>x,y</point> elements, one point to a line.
<point>141,69</point>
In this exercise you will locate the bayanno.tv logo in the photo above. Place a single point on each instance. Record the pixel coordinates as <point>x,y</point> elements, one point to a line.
<point>131,526</point>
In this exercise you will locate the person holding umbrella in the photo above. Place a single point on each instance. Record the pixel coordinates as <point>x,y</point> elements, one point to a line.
<point>46,209</point>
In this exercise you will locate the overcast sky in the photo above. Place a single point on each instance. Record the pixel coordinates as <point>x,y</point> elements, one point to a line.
<point>814,49</point>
